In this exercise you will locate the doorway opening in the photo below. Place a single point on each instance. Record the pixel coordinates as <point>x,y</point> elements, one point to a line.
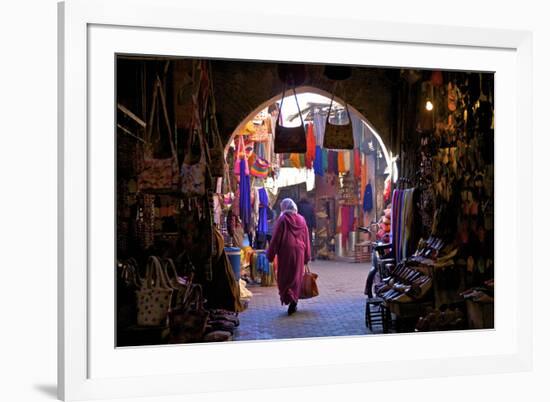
<point>336,191</point>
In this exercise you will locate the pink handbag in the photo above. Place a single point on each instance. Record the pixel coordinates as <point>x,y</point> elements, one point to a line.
<point>240,154</point>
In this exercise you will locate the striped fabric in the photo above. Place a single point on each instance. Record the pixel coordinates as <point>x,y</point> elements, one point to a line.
<point>401,223</point>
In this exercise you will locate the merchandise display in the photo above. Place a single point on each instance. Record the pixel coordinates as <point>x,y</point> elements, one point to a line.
<point>206,228</point>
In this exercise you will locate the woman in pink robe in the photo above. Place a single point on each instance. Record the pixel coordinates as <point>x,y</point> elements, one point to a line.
<point>290,243</point>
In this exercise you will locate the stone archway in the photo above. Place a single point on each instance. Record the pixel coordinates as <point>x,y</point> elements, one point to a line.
<point>389,158</point>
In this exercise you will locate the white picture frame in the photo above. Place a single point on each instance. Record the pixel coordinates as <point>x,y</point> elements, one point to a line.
<point>92,32</point>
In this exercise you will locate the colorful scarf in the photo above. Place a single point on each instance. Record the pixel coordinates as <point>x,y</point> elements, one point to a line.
<point>244,196</point>
<point>310,146</point>
<point>263,206</point>
<point>318,162</point>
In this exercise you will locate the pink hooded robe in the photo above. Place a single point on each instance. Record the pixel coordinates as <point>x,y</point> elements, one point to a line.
<point>290,243</point>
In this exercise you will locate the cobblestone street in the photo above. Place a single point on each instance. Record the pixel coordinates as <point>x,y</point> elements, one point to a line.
<point>338,310</point>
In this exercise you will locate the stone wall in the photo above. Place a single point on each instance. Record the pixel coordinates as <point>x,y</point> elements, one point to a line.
<point>240,87</point>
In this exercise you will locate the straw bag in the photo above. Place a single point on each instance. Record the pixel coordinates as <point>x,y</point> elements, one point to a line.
<point>154,296</point>
<point>289,139</point>
<point>260,168</point>
<point>159,174</point>
<point>309,284</point>
<point>338,136</point>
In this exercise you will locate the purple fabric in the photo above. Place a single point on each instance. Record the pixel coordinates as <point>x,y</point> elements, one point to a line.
<point>244,197</point>
<point>264,205</point>
<point>290,243</point>
<point>332,162</point>
<point>348,217</point>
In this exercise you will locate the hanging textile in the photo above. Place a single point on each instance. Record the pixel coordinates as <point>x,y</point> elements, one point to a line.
<point>262,263</point>
<point>367,198</point>
<point>262,214</point>
<point>255,202</point>
<point>364,181</point>
<point>387,189</point>
<point>244,197</point>
<point>341,163</point>
<point>319,122</point>
<point>407,216</point>
<point>318,162</point>
<point>356,163</point>
<point>325,159</point>
<point>295,160</point>
<point>401,222</point>
<point>347,218</point>
<point>347,161</point>
<point>240,154</point>
<point>310,146</point>
<point>332,162</point>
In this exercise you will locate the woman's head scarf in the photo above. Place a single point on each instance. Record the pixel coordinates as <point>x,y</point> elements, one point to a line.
<point>288,206</point>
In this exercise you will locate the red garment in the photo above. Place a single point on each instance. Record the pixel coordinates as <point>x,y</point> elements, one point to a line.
<point>310,146</point>
<point>387,189</point>
<point>348,218</point>
<point>290,243</point>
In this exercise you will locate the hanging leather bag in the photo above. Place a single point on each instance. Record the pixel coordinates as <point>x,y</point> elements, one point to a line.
<point>188,322</point>
<point>159,174</point>
<point>176,282</point>
<point>216,152</point>
<point>289,139</point>
<point>338,136</point>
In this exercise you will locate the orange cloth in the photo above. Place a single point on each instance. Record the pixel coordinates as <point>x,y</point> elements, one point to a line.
<point>341,163</point>
<point>295,160</point>
<point>310,146</point>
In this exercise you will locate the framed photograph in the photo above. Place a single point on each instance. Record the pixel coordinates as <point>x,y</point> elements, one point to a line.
<point>291,203</point>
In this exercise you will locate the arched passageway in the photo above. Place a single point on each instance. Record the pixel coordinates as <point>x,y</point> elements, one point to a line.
<point>304,89</point>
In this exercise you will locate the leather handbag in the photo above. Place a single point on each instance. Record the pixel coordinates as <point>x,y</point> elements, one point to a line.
<point>289,139</point>
<point>216,151</point>
<point>188,322</point>
<point>178,283</point>
<point>127,284</point>
<point>154,296</point>
<point>159,174</point>
<point>338,136</point>
<point>309,284</point>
